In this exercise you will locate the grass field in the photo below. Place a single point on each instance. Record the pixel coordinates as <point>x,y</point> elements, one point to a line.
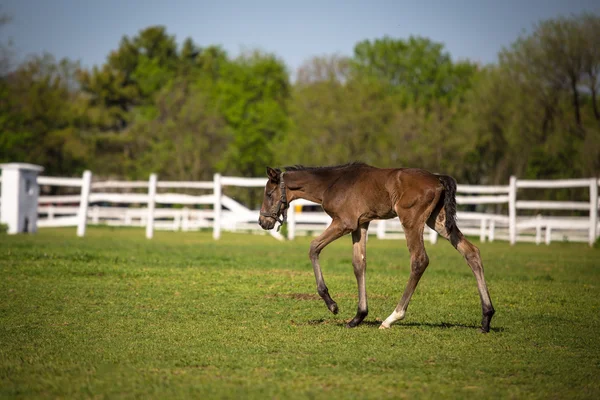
<point>113,315</point>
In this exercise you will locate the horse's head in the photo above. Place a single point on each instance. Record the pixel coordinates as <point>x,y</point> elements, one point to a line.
<point>274,201</point>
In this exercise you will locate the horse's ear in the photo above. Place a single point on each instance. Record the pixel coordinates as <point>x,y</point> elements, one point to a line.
<point>273,174</point>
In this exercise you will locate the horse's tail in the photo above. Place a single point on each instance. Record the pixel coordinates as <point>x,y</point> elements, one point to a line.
<point>449,201</point>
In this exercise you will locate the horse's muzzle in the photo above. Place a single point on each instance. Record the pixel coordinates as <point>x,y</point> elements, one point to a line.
<point>267,223</point>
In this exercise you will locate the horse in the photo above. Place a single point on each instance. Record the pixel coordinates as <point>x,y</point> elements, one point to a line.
<point>356,193</point>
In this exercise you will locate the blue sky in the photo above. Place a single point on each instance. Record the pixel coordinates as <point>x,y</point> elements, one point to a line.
<point>87,30</point>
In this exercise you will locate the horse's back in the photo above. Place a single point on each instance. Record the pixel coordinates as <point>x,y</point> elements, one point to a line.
<point>377,183</point>
<point>373,192</point>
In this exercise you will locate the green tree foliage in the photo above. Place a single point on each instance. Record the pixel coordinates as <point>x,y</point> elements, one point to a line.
<point>133,73</point>
<point>129,95</point>
<point>5,47</point>
<point>185,111</point>
<point>186,138</point>
<point>253,98</point>
<point>535,112</point>
<point>336,117</point>
<point>381,107</point>
<point>41,117</point>
<point>417,70</point>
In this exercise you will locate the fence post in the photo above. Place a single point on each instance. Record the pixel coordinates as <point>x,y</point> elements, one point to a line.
<point>185,216</point>
<point>96,215</point>
<point>593,209</point>
<point>492,230</point>
<point>177,221</point>
<point>381,229</point>
<point>433,235</point>
<point>127,221</point>
<point>291,222</point>
<point>86,185</point>
<point>217,207</point>
<point>548,233</point>
<point>151,202</point>
<point>512,210</point>
<point>482,226</point>
<point>538,229</point>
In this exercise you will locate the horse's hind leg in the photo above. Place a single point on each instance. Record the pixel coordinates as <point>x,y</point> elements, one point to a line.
<point>471,254</point>
<point>418,263</point>
<point>359,262</point>
<point>413,215</point>
<point>333,232</point>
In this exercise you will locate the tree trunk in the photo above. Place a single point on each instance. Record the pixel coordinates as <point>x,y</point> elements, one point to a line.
<point>576,101</point>
<point>595,103</point>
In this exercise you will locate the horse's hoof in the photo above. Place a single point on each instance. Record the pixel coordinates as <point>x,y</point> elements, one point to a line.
<point>382,326</point>
<point>352,324</point>
<point>333,308</point>
<point>483,330</point>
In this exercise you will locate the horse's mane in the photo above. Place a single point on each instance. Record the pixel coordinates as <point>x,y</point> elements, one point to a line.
<point>298,167</point>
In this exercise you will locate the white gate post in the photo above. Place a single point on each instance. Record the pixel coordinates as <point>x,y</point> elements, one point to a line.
<point>86,184</point>
<point>291,222</point>
<point>593,210</point>
<point>151,202</point>
<point>512,210</point>
<point>217,207</point>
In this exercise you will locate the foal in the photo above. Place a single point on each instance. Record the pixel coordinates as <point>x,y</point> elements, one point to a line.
<point>355,194</point>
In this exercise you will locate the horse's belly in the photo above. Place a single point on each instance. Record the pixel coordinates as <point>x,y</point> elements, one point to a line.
<point>378,214</point>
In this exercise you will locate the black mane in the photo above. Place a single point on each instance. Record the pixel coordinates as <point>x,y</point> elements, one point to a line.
<point>324,168</point>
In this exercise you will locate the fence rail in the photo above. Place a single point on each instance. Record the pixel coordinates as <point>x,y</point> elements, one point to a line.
<point>224,213</point>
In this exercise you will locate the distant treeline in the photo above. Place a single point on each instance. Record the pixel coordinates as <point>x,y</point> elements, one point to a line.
<point>186,112</point>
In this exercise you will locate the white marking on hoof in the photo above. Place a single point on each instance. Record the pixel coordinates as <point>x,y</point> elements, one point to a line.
<point>395,316</point>
<point>383,326</point>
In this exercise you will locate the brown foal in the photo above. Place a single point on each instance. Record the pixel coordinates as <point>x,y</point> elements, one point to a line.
<point>355,194</point>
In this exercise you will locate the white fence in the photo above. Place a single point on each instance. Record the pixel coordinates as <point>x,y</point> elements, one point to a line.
<point>221,212</point>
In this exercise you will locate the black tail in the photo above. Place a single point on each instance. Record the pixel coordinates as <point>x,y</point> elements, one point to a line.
<point>449,201</point>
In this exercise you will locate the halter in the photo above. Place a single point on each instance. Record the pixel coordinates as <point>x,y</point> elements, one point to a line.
<point>282,203</point>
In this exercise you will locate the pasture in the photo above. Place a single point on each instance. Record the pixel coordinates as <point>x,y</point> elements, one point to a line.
<point>114,315</point>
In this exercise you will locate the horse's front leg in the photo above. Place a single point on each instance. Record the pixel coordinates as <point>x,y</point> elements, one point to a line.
<point>333,232</point>
<point>359,262</point>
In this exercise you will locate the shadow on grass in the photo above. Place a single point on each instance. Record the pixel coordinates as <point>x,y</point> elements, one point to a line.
<point>375,323</point>
<point>445,325</point>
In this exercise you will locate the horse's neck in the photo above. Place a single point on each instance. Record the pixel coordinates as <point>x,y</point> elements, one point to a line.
<point>308,185</point>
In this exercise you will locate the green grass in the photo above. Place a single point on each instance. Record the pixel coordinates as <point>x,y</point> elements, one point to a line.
<point>114,315</point>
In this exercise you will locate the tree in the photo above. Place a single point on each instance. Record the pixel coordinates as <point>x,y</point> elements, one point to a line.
<point>590,63</point>
<point>253,98</point>
<point>5,48</point>
<point>186,138</point>
<point>547,70</point>
<point>122,94</point>
<point>133,73</point>
<point>416,70</point>
<point>494,118</point>
<point>41,115</point>
<point>336,116</point>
